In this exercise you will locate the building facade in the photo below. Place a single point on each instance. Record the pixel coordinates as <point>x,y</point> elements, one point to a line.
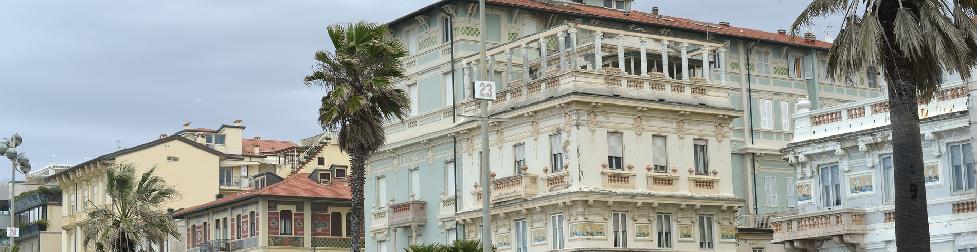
<point>626,81</point>
<point>302,212</point>
<point>842,157</point>
<point>39,219</point>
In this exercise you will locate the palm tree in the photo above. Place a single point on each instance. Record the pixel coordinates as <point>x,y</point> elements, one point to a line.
<point>360,96</point>
<point>914,42</point>
<point>135,220</point>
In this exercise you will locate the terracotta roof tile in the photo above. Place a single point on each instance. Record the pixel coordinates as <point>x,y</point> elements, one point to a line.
<point>295,186</point>
<point>667,21</point>
<point>264,146</point>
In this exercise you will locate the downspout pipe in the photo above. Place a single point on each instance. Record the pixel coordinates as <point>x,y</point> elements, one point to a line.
<point>454,111</point>
<point>749,111</point>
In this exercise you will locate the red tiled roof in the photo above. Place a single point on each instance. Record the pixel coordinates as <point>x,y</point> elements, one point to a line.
<point>667,21</point>
<point>264,146</point>
<point>295,186</point>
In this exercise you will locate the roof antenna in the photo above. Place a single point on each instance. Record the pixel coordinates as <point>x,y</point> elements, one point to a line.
<point>118,144</point>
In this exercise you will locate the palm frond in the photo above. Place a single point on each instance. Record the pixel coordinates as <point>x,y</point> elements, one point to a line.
<point>909,37</point>
<point>817,8</point>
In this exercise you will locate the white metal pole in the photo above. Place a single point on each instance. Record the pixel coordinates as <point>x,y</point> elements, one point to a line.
<point>483,124</point>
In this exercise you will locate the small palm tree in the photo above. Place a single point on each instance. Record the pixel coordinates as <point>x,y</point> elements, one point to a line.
<point>914,42</point>
<point>360,96</point>
<point>135,220</point>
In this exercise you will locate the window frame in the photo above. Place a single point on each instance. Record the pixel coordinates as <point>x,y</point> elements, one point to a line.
<point>556,152</point>
<point>619,229</point>
<point>663,230</point>
<point>520,232</point>
<point>558,231</point>
<point>963,178</point>
<point>707,232</point>
<point>834,189</point>
<point>286,224</point>
<point>518,157</point>
<point>615,162</point>
<point>659,153</point>
<point>887,180</point>
<point>700,160</point>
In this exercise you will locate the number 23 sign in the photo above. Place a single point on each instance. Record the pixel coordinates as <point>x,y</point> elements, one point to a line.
<point>485,90</point>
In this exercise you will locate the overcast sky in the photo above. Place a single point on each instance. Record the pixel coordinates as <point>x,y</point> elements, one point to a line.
<point>80,78</point>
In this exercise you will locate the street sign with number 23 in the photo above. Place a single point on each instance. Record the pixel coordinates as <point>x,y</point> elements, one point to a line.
<point>485,90</point>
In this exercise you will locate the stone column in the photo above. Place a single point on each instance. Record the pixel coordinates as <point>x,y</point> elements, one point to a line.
<point>508,66</point>
<point>467,68</point>
<point>413,234</point>
<point>722,65</point>
<point>706,69</point>
<point>598,36</point>
<point>393,238</point>
<point>542,57</point>
<point>573,48</point>
<point>665,58</point>
<point>644,57</point>
<point>525,64</point>
<point>620,53</point>
<point>685,60</point>
<point>561,43</point>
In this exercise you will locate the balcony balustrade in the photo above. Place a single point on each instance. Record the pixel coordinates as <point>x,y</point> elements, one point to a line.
<point>380,220</point>
<point>967,206</point>
<point>557,181</point>
<point>618,179</point>
<point>447,209</point>
<point>869,113</point>
<point>704,184</point>
<point>522,186</point>
<point>756,221</point>
<point>662,181</point>
<point>847,223</point>
<point>408,213</point>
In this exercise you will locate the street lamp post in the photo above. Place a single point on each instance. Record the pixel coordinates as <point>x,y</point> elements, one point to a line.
<point>19,162</point>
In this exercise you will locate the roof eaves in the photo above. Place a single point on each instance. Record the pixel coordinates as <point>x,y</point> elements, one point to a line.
<point>143,146</point>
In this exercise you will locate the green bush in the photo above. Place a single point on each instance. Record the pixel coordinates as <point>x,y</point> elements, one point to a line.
<point>41,225</point>
<point>457,246</point>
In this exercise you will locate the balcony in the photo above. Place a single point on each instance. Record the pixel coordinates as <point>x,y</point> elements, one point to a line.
<point>35,198</point>
<point>380,220</point>
<point>754,221</point>
<point>212,246</point>
<point>236,183</point>
<point>332,242</point>
<point>662,181</point>
<point>703,183</point>
<point>408,213</point>
<point>447,209</point>
<point>618,179</point>
<point>870,113</point>
<point>556,181</point>
<point>514,187</point>
<point>849,224</point>
<point>29,231</point>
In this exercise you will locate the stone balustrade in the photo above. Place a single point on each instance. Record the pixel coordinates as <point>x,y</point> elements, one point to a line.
<point>515,187</point>
<point>618,179</point>
<point>849,223</point>
<point>380,220</point>
<point>447,209</point>
<point>556,181</point>
<point>870,113</point>
<point>704,184</point>
<point>662,182</point>
<point>408,213</point>
<point>967,206</point>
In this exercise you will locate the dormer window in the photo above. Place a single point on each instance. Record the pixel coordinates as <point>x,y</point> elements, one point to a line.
<point>260,182</point>
<point>339,171</point>
<point>325,177</point>
<point>215,139</point>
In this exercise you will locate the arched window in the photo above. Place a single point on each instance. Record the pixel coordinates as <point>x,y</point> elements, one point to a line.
<point>286,222</point>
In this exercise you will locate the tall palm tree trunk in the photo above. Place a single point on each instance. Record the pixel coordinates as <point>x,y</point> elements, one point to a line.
<point>912,224</point>
<point>357,162</point>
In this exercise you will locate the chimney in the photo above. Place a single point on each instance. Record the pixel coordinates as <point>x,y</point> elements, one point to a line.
<point>237,122</point>
<point>161,136</point>
<point>654,11</point>
<point>256,149</point>
<point>186,125</point>
<point>782,32</point>
<point>724,24</point>
<point>257,138</point>
<point>809,36</point>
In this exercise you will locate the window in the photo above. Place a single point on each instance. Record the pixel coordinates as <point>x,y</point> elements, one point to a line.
<point>619,5</point>
<point>412,93</point>
<point>615,150</point>
<point>962,163</point>
<point>700,149</point>
<point>705,231</point>
<point>888,185</point>
<point>449,178</point>
<point>172,158</point>
<point>414,182</point>
<point>381,192</point>
<point>382,246</point>
<point>619,226</point>
<point>336,221</point>
<point>219,138</point>
<point>84,199</point>
<point>324,177</point>
<point>785,116</point>
<point>519,157</point>
<point>349,228</point>
<point>226,231</point>
<point>830,176</point>
<point>974,249</point>
<point>411,41</point>
<point>557,231</point>
<point>240,228</point>
<point>770,182</point>
<point>660,153</point>
<point>451,235</point>
<point>791,199</point>
<point>762,61</point>
<point>664,225</point>
<point>446,29</point>
<point>225,176</point>
<point>251,223</point>
<point>758,250</point>
<point>285,222</point>
<point>796,67</point>
<point>608,3</point>
<point>260,182</point>
<point>493,24</point>
<point>217,229</point>
<point>449,89</point>
<point>339,172</point>
<point>766,114</point>
<point>556,152</point>
<point>321,161</point>
<point>520,233</point>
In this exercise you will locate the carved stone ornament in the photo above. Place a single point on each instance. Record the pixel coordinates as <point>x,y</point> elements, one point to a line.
<point>722,127</point>
<point>592,115</point>
<point>680,123</point>
<point>638,120</point>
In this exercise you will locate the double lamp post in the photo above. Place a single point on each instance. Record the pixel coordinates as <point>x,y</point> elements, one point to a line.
<point>19,162</point>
